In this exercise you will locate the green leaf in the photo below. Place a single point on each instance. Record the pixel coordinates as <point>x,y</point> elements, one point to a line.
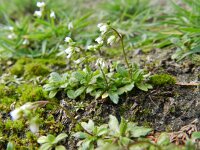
<point>125,141</point>
<point>89,127</point>
<point>45,146</point>
<point>126,88</point>
<point>52,93</point>
<point>55,77</point>
<point>79,91</point>
<point>51,138</point>
<point>42,139</point>
<point>122,70</point>
<point>144,86</point>
<point>114,97</point>
<point>60,137</point>
<point>80,135</point>
<point>113,124</point>
<point>163,139</point>
<point>79,75</point>
<point>139,131</point>
<point>71,94</point>
<point>60,147</point>
<point>196,135</point>
<point>10,146</point>
<point>123,127</point>
<point>102,131</point>
<point>90,89</point>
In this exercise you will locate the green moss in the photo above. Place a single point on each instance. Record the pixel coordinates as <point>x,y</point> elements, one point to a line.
<point>162,79</point>
<point>36,69</point>
<point>18,67</point>
<point>17,125</point>
<point>7,101</point>
<point>196,59</point>
<point>30,93</point>
<point>54,62</point>
<point>6,91</point>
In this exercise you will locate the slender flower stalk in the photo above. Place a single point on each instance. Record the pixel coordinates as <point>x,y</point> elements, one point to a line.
<point>123,49</point>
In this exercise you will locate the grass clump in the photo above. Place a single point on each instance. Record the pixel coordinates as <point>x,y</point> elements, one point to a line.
<point>162,79</point>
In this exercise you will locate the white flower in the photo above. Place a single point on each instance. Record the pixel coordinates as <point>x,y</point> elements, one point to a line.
<point>40,4</point>
<point>16,114</point>
<point>25,42</point>
<point>70,26</point>
<point>78,61</point>
<point>11,36</point>
<point>68,40</point>
<point>69,50</point>
<point>103,27</point>
<point>34,127</point>
<point>99,40</point>
<point>111,39</point>
<point>38,13</point>
<point>10,28</point>
<point>100,62</point>
<point>26,106</point>
<point>52,14</point>
<point>90,47</point>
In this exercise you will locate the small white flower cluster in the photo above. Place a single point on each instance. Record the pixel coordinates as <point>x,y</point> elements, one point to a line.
<point>39,13</point>
<point>100,62</point>
<point>23,112</point>
<point>72,48</point>
<point>12,34</point>
<point>103,28</point>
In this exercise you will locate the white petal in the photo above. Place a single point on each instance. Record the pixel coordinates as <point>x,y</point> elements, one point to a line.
<point>40,4</point>
<point>38,13</point>
<point>52,14</point>
<point>111,40</point>
<point>34,127</point>
<point>15,114</point>
<point>68,40</point>
<point>70,26</point>
<point>99,40</point>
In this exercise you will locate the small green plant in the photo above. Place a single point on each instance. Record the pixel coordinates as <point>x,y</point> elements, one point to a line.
<point>122,133</point>
<point>106,81</point>
<point>50,141</point>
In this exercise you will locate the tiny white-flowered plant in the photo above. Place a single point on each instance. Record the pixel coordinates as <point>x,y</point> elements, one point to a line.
<point>52,14</point>
<point>38,13</point>
<point>18,112</point>
<point>40,4</point>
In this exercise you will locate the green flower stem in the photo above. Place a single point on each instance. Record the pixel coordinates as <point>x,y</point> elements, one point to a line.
<point>123,49</point>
